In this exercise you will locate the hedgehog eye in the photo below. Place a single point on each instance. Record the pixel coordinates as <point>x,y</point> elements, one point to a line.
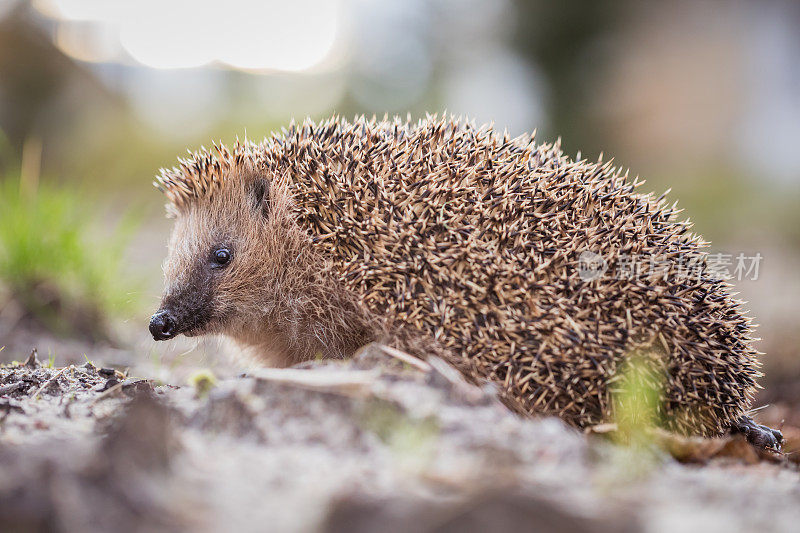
<point>221,256</point>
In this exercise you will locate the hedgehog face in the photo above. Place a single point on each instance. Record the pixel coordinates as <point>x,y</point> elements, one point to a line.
<point>217,270</point>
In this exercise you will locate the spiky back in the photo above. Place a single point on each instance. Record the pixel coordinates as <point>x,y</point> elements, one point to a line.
<point>204,172</point>
<point>473,238</point>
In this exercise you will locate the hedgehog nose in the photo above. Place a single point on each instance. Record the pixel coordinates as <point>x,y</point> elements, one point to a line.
<point>162,326</point>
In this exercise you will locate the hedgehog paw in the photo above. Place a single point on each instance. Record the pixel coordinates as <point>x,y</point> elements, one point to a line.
<point>762,436</point>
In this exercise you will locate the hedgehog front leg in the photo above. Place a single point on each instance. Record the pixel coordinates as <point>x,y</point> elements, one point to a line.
<point>758,435</point>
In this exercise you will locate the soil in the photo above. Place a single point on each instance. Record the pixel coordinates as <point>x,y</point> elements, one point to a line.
<point>363,445</point>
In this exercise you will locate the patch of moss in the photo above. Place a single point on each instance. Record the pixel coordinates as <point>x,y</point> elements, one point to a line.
<point>203,381</point>
<point>409,438</point>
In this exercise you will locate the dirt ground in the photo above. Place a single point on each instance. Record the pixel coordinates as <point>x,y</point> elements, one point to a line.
<point>364,445</point>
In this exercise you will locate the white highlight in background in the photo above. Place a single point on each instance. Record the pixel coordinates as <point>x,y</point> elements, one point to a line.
<point>243,34</point>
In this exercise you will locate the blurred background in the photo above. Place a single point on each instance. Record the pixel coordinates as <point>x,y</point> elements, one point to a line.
<point>97,95</point>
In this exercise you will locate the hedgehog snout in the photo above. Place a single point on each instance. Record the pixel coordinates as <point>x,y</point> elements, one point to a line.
<point>162,326</point>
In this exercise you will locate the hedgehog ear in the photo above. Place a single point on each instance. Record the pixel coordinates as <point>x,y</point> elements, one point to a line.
<point>260,196</point>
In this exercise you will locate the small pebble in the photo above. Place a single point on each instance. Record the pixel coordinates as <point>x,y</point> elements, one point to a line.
<point>107,372</point>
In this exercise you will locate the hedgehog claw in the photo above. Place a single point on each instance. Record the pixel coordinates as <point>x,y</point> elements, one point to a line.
<point>761,436</point>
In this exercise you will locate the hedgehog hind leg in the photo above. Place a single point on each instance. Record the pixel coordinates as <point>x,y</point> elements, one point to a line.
<point>758,435</point>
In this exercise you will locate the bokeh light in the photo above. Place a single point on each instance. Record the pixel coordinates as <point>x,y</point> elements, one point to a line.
<point>244,34</point>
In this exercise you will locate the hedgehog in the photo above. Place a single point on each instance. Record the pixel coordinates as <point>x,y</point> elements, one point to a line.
<point>500,255</point>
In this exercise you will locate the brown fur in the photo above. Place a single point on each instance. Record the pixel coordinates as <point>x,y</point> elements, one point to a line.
<point>274,299</point>
<point>444,238</point>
